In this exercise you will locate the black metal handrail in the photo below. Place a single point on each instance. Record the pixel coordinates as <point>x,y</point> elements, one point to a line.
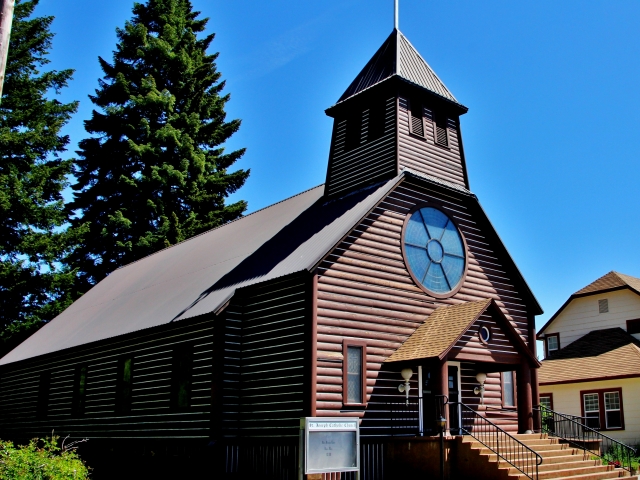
<point>503,444</point>
<point>579,435</point>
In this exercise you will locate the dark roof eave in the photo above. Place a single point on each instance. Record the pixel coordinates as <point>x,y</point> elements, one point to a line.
<point>397,78</point>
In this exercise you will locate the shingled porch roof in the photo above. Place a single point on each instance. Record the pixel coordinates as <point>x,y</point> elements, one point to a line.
<point>445,326</point>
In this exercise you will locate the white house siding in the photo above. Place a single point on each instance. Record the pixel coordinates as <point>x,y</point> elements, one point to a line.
<point>581,315</point>
<point>566,399</point>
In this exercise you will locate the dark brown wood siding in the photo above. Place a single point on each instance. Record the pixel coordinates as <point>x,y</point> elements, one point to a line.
<point>504,418</point>
<point>371,161</point>
<point>151,415</point>
<point>499,344</point>
<point>265,360</point>
<point>423,154</point>
<point>366,293</point>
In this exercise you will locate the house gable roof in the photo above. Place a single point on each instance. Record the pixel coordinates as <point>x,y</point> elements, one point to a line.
<point>442,330</point>
<point>397,57</point>
<point>599,355</point>
<point>610,282</point>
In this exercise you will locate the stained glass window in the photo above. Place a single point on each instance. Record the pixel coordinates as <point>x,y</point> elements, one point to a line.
<point>354,374</point>
<point>434,250</point>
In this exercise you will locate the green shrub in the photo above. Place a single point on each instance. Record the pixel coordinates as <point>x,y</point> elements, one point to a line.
<point>41,459</point>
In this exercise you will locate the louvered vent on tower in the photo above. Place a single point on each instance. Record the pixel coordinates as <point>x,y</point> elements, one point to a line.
<point>417,124</point>
<point>441,131</point>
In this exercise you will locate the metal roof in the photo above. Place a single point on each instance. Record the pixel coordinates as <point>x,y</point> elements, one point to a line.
<point>398,57</point>
<point>199,275</point>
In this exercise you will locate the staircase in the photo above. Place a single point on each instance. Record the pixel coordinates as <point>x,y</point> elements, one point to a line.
<point>559,460</point>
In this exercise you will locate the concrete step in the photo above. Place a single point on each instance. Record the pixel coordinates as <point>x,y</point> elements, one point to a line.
<point>530,436</point>
<point>546,467</point>
<point>615,473</point>
<point>559,451</point>
<point>572,472</point>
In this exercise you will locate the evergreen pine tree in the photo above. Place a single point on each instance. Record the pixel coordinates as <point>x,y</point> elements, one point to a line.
<point>154,171</point>
<point>34,286</point>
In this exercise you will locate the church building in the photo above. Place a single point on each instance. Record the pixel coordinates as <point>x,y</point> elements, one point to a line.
<point>384,294</point>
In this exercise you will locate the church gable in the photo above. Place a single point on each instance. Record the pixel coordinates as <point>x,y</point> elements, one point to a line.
<point>486,340</point>
<point>365,291</point>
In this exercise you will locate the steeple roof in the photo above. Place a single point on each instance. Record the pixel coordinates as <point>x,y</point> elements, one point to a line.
<point>397,57</point>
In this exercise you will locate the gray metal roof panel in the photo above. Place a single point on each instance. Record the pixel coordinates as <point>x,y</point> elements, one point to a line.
<point>199,275</point>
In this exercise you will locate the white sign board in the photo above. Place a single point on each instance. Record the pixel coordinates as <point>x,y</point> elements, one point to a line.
<point>331,445</point>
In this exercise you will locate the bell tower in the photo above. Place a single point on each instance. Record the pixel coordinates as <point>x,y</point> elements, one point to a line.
<point>397,114</point>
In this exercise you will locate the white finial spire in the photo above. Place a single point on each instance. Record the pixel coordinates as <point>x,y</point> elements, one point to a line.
<point>396,15</point>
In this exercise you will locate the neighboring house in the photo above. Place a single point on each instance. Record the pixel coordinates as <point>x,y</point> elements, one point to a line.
<point>592,364</point>
<point>310,307</point>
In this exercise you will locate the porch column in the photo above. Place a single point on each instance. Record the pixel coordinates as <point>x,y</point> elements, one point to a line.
<point>442,386</point>
<point>525,410</point>
<point>535,398</point>
<point>535,387</point>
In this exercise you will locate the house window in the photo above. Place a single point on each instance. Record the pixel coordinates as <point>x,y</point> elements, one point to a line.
<point>42,407</point>
<point>612,410</point>
<point>123,387</point>
<point>603,408</point>
<point>181,378</point>
<point>417,124</point>
<point>354,374</point>
<point>552,343</point>
<point>546,400</point>
<point>591,409</point>
<point>633,326</point>
<point>440,131</point>
<point>79,390</point>
<point>603,305</point>
<point>508,389</point>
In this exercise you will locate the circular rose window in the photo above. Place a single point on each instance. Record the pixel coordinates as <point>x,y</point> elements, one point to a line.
<point>434,251</point>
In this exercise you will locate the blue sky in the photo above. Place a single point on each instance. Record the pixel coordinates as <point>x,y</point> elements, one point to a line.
<point>551,136</point>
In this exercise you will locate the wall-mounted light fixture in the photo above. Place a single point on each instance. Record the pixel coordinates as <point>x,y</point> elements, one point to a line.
<point>481,378</point>
<point>405,387</point>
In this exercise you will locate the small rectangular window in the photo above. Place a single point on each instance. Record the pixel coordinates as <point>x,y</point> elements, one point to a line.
<point>354,374</point>
<point>546,400</point>
<point>441,131</point>
<point>181,378</point>
<point>417,122</point>
<point>123,388</point>
<point>592,410</point>
<point>44,384</point>
<point>613,413</point>
<point>508,390</point>
<point>553,343</point>
<point>79,390</point>
<point>633,326</point>
<point>603,305</point>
